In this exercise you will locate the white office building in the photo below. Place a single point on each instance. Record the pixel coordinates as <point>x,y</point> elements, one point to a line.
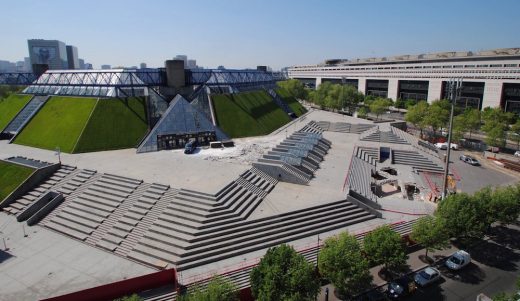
<point>490,78</point>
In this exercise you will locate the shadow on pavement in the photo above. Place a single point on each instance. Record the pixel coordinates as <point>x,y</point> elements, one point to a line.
<point>4,256</point>
<point>505,236</point>
<point>432,292</point>
<point>494,255</point>
<point>471,274</point>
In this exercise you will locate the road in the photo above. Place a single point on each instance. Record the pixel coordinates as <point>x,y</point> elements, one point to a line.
<point>475,177</point>
<point>495,268</point>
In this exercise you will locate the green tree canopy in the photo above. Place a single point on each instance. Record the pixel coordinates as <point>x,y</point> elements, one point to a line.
<point>430,232</point>
<point>502,204</point>
<point>283,274</point>
<point>294,87</point>
<point>379,106</point>
<point>495,125</point>
<point>416,115</point>
<point>462,215</point>
<point>341,261</point>
<point>515,133</point>
<point>218,289</point>
<point>385,246</point>
<point>438,115</point>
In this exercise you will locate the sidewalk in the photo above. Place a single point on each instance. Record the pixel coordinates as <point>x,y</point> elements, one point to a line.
<point>413,261</point>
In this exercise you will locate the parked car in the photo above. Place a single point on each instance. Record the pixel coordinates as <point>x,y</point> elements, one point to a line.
<point>517,153</point>
<point>458,260</point>
<point>190,147</point>
<point>444,145</point>
<point>469,159</point>
<point>400,288</point>
<point>427,276</point>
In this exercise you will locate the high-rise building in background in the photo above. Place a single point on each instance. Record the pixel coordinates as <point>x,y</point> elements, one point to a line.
<point>51,54</point>
<point>106,67</point>
<point>6,66</point>
<point>192,64</point>
<point>27,63</point>
<point>81,63</point>
<point>182,57</point>
<point>142,65</point>
<point>72,57</point>
<point>89,66</point>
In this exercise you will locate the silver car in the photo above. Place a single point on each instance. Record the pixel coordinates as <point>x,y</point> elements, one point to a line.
<point>427,276</point>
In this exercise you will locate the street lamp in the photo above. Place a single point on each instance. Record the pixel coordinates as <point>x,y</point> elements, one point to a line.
<point>454,89</point>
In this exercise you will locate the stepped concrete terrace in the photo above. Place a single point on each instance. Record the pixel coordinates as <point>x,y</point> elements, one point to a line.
<point>210,212</point>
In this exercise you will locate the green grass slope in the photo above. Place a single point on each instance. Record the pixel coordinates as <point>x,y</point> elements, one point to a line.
<point>297,108</point>
<point>11,176</point>
<point>10,106</point>
<point>248,114</point>
<point>114,124</point>
<point>59,123</point>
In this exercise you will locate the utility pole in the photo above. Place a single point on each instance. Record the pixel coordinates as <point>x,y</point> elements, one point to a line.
<point>454,89</point>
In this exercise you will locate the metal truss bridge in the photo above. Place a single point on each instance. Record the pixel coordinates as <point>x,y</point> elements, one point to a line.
<point>123,78</point>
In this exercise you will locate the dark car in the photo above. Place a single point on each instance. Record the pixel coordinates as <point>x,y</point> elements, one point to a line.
<point>469,159</point>
<point>400,288</point>
<point>190,147</point>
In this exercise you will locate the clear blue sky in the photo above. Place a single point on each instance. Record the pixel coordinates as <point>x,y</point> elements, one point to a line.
<point>246,33</point>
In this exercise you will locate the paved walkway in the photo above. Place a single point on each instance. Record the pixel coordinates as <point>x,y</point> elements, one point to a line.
<point>413,262</point>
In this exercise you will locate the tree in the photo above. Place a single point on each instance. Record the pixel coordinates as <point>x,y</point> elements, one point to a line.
<point>294,87</point>
<point>438,115</point>
<point>472,120</point>
<point>352,97</point>
<point>379,106</point>
<point>283,274</point>
<point>515,133</point>
<point>218,289</point>
<point>502,205</point>
<point>495,125</point>
<point>362,112</point>
<point>463,216</point>
<point>430,232</point>
<point>400,103</point>
<point>417,114</point>
<point>385,246</point>
<point>341,261</point>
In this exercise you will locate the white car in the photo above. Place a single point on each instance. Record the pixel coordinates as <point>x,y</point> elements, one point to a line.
<point>517,153</point>
<point>458,260</point>
<point>444,145</point>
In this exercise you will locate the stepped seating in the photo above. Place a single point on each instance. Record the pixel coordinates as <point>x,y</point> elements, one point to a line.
<point>262,233</point>
<point>384,137</point>
<point>312,127</point>
<point>368,154</point>
<point>233,238</point>
<point>62,176</point>
<point>416,160</point>
<point>360,178</point>
<point>87,215</point>
<point>429,149</point>
<point>21,119</point>
<point>324,125</point>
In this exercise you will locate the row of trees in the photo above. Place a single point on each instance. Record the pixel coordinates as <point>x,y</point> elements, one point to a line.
<point>494,122</point>
<point>284,274</point>
<point>6,90</point>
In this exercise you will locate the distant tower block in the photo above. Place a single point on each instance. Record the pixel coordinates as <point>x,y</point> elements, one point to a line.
<point>175,73</point>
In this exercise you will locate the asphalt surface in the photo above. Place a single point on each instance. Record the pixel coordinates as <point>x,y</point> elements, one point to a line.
<point>495,268</point>
<point>474,178</point>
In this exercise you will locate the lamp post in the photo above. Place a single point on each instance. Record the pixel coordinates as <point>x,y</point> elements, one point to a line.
<point>454,89</point>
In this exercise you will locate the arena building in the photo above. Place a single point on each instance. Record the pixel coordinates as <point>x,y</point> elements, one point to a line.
<point>490,78</point>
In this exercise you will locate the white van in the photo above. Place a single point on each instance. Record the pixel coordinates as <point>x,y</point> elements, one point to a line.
<point>458,260</point>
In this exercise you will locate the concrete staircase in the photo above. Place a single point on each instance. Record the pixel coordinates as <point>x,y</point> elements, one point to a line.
<point>61,177</point>
<point>416,160</point>
<point>232,238</point>
<point>360,178</point>
<point>384,137</point>
<point>312,127</point>
<point>368,154</point>
<point>23,117</point>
